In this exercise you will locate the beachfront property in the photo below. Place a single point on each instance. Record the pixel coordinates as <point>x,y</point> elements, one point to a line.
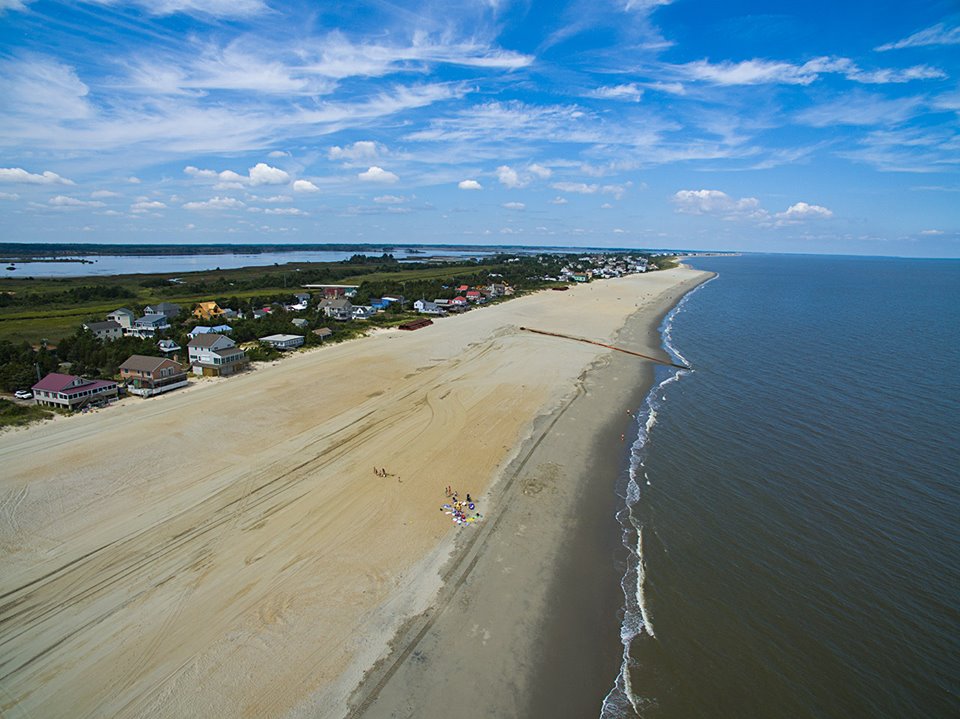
<point>363,312</point>
<point>339,309</point>
<point>207,311</point>
<point>323,333</point>
<point>107,331</point>
<point>475,296</point>
<point>72,392</point>
<point>147,376</point>
<point>333,291</point>
<point>214,355</point>
<point>123,317</point>
<point>167,309</point>
<point>283,342</point>
<point>299,322</point>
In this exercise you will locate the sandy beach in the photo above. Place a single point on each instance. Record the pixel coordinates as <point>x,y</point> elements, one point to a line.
<point>229,551</point>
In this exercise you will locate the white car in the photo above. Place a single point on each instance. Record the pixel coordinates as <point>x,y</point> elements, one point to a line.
<point>23,394</point>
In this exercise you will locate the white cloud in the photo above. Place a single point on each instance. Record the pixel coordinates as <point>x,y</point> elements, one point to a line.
<point>279,153</point>
<point>702,202</point>
<point>540,171</point>
<point>216,203</point>
<point>38,86</point>
<point>133,180</point>
<point>857,108</point>
<point>514,205</point>
<point>469,185</point>
<point>644,5</point>
<point>214,8</point>
<point>803,211</point>
<point>931,232</point>
<point>377,174</point>
<point>147,206</point>
<point>13,5</point>
<point>509,177</point>
<point>938,34</point>
<point>360,151</point>
<point>579,187</point>
<point>64,201</point>
<point>758,71</point>
<point>197,172</point>
<point>630,91</point>
<point>259,174</point>
<point>558,200</point>
<point>19,175</point>
<point>275,198</point>
<point>284,211</point>
<point>263,174</point>
<point>389,199</point>
<point>104,193</point>
<point>9,196</point>
<point>606,206</point>
<point>305,186</point>
<point>618,191</point>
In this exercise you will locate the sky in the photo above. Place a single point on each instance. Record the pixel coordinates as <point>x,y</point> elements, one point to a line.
<point>825,127</point>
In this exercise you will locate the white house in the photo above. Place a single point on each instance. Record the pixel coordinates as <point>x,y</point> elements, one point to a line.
<point>283,342</point>
<point>215,355</point>
<point>338,309</point>
<point>108,330</point>
<point>426,307</point>
<point>363,312</point>
<point>122,317</point>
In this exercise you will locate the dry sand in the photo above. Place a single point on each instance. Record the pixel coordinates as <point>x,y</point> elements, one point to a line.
<point>228,551</point>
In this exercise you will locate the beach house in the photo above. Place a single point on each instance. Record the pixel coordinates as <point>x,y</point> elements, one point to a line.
<point>167,309</point>
<point>148,376</point>
<point>106,331</point>
<point>283,342</point>
<point>213,355</point>
<point>338,309</point>
<point>426,307</point>
<point>149,325</point>
<point>207,310</point>
<point>122,317</point>
<point>72,392</point>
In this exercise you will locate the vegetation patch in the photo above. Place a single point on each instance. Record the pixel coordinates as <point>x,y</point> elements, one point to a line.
<point>17,415</point>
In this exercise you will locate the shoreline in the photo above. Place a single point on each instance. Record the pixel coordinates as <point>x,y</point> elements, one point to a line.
<point>540,662</point>
<point>227,551</point>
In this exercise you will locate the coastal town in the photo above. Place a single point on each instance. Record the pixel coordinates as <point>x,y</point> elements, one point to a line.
<point>182,344</point>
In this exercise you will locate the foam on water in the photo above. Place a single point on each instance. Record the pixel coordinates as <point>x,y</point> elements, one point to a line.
<point>621,701</point>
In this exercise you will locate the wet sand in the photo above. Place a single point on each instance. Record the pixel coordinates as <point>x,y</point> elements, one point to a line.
<point>228,550</point>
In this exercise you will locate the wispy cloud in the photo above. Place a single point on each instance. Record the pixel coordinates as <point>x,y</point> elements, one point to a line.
<point>939,34</point>
<point>760,71</point>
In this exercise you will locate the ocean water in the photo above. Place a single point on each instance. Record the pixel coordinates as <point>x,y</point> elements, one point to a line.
<point>792,517</point>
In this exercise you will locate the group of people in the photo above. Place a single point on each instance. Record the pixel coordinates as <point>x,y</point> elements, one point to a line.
<point>463,511</point>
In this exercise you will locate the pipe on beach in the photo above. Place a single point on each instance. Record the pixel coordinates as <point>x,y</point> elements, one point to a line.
<point>611,347</point>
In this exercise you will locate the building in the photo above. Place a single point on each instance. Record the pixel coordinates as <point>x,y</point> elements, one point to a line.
<point>107,331</point>
<point>148,376</point>
<point>214,355</point>
<point>167,309</point>
<point>323,333</point>
<point>283,342</point>
<point>72,392</point>
<point>334,291</point>
<point>338,309</point>
<point>217,330</point>
<point>363,312</point>
<point>207,311</point>
<point>299,322</point>
<point>474,296</point>
<point>426,307</point>
<point>168,346</point>
<point>149,325</point>
<point>122,317</point>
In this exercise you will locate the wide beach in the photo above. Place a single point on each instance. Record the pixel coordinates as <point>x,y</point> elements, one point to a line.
<point>229,551</point>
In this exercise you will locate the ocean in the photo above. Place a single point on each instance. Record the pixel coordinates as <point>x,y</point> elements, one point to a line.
<point>792,517</point>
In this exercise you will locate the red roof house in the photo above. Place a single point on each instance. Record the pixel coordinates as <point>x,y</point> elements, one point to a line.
<point>72,392</point>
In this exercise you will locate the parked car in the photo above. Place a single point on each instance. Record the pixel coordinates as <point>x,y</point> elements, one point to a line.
<point>23,394</point>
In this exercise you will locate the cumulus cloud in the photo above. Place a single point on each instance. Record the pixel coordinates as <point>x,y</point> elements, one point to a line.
<point>377,174</point>
<point>939,34</point>
<point>147,206</point>
<point>104,193</point>
<point>360,151</point>
<point>19,175</point>
<point>263,174</point>
<point>389,199</point>
<point>703,202</point>
<point>578,187</point>
<point>803,211</point>
<point>133,180</point>
<point>558,200</point>
<point>469,185</point>
<point>514,205</point>
<point>279,153</point>
<point>284,211</point>
<point>540,171</point>
<point>9,196</point>
<point>216,203</point>
<point>931,232</point>
<point>259,174</point>
<point>305,186</point>
<point>64,201</point>
<point>509,177</point>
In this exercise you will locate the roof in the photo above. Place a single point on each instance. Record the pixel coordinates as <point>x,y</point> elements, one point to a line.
<point>166,306</point>
<point>200,330</point>
<point>69,383</point>
<point>207,305</point>
<point>280,338</point>
<point>168,345</point>
<point>124,310</point>
<point>151,319</point>
<point>207,341</point>
<point>222,328</point>
<point>142,363</point>
<point>227,351</point>
<point>323,332</point>
<point>339,303</point>
<point>102,326</point>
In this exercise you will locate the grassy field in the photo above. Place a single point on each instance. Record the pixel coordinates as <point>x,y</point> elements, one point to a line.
<point>15,415</point>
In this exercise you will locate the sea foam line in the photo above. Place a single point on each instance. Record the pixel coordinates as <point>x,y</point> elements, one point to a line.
<point>636,616</point>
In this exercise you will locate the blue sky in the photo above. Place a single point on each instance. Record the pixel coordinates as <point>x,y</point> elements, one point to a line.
<point>757,126</point>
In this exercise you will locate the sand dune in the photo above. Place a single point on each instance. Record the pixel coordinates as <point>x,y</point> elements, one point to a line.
<point>228,551</point>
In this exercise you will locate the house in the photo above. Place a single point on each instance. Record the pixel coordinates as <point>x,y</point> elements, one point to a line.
<point>463,288</point>
<point>207,311</point>
<point>167,309</point>
<point>299,322</point>
<point>283,342</point>
<point>331,292</point>
<point>215,355</point>
<point>474,296</point>
<point>459,301</point>
<point>148,376</point>
<point>107,331</point>
<point>303,298</point>
<point>580,277</point>
<point>229,314</point>
<point>338,309</point>
<point>72,392</point>
<point>323,333</point>
<point>363,312</point>
<point>379,303</point>
<point>426,307</point>
<point>122,317</point>
<point>499,289</point>
<point>259,314</point>
<point>149,325</point>
<point>168,346</point>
